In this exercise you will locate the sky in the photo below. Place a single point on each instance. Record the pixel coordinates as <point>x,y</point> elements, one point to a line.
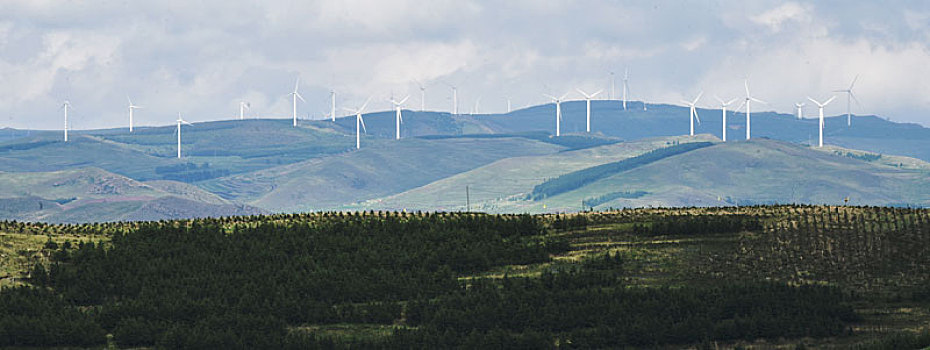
<point>202,57</point>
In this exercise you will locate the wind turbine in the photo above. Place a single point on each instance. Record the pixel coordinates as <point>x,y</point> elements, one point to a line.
<point>800,113</point>
<point>626,86</point>
<point>242,107</point>
<point>558,112</point>
<point>398,119</point>
<point>131,108</point>
<point>359,123</point>
<point>66,106</point>
<point>849,96</point>
<point>820,106</point>
<point>295,96</point>
<point>332,111</point>
<point>508,105</point>
<point>422,95</point>
<point>178,131</point>
<point>477,103</point>
<point>748,102</point>
<point>455,100</point>
<point>587,99</point>
<point>694,113</point>
<point>723,106</point>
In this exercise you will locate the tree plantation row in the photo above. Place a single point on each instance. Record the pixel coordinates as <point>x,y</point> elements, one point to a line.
<point>469,280</point>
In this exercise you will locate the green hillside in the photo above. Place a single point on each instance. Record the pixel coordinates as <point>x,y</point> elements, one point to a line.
<point>91,194</point>
<point>374,171</point>
<point>759,171</point>
<point>506,182</point>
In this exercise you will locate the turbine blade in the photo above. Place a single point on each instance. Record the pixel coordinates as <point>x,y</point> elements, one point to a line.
<point>362,120</point>
<point>853,82</point>
<point>296,84</point>
<point>731,102</point>
<point>720,100</point>
<point>698,97</point>
<point>404,100</point>
<point>582,93</point>
<point>686,102</point>
<point>813,100</point>
<point>563,96</point>
<point>130,100</point>
<point>746,84</point>
<point>364,105</point>
<point>696,116</point>
<point>300,97</point>
<point>830,100</point>
<point>758,100</point>
<point>855,99</point>
<point>596,93</point>
<point>550,96</point>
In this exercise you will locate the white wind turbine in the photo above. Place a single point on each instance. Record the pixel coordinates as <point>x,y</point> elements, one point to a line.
<point>359,123</point>
<point>626,86</point>
<point>800,112</point>
<point>849,98</point>
<point>820,106</point>
<point>748,103</point>
<point>243,106</point>
<point>694,113</point>
<point>723,106</point>
<point>398,118</point>
<point>131,108</point>
<point>558,112</point>
<point>295,95</point>
<point>332,110</point>
<point>178,131</point>
<point>422,95</point>
<point>66,106</point>
<point>455,100</point>
<point>587,99</point>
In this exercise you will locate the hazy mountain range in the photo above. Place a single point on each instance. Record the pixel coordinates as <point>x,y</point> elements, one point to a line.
<point>256,166</point>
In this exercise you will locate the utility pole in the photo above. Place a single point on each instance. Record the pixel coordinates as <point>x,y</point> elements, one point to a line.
<point>467,200</point>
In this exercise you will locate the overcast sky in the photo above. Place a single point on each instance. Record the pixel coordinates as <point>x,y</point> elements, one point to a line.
<point>201,57</point>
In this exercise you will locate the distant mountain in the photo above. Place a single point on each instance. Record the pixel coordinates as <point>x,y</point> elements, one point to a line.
<point>371,172</point>
<point>238,166</point>
<point>91,195</point>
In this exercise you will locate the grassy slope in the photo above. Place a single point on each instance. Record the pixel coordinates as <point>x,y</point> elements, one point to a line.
<point>497,185</point>
<point>377,170</point>
<point>760,171</point>
<point>91,194</point>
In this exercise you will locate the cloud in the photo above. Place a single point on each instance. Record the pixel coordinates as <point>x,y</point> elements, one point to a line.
<point>775,18</point>
<point>202,57</point>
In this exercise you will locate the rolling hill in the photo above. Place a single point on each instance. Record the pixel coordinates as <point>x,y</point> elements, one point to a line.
<point>269,164</point>
<point>371,172</point>
<point>91,195</point>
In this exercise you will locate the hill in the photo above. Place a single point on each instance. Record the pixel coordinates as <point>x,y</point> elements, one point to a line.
<point>755,172</point>
<point>93,195</point>
<point>510,180</point>
<point>373,171</point>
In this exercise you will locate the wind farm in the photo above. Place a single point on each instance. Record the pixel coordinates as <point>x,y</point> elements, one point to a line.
<point>464,175</point>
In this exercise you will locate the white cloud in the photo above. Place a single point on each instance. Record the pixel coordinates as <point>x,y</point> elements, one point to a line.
<point>775,18</point>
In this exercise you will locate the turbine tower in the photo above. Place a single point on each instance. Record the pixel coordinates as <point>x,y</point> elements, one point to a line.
<point>748,103</point>
<point>455,100</point>
<point>626,86</point>
<point>820,106</point>
<point>398,118</point>
<point>242,107</point>
<point>178,131</point>
<point>587,99</point>
<point>558,113</point>
<point>332,111</point>
<point>849,98</point>
<point>723,106</point>
<point>422,95</point>
<point>694,113</point>
<point>131,108</point>
<point>295,95</point>
<point>800,113</point>
<point>359,123</point>
<point>66,106</point>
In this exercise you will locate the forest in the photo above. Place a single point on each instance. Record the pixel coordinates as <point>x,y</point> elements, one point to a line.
<point>645,278</point>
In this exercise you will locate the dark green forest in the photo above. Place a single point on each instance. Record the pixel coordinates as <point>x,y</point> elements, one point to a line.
<point>261,281</point>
